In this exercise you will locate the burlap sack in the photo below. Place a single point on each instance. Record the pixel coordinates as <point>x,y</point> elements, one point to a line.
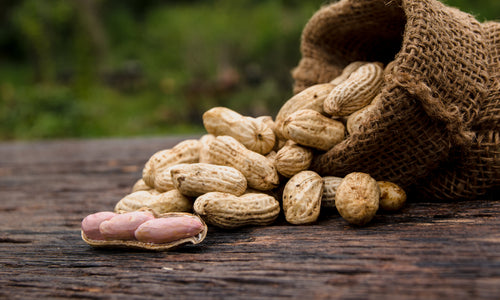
<point>438,127</point>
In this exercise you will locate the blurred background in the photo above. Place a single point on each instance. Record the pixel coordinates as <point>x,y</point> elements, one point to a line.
<point>121,68</point>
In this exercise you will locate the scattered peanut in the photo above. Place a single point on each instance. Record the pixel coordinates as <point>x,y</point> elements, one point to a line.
<point>356,92</point>
<point>163,180</point>
<point>392,196</point>
<point>205,140</point>
<point>302,198</point>
<point>140,185</point>
<point>357,198</point>
<point>310,98</point>
<point>171,201</point>
<point>331,184</point>
<point>362,117</point>
<point>347,71</point>
<point>293,158</point>
<point>310,128</point>
<point>187,151</point>
<point>252,133</point>
<point>229,211</point>
<point>257,169</point>
<point>197,179</point>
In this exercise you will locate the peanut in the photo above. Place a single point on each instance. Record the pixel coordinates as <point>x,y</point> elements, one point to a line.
<point>187,151</point>
<point>161,233</point>
<point>362,117</point>
<point>252,133</point>
<point>90,224</point>
<point>293,158</point>
<point>310,128</point>
<point>163,180</point>
<point>268,120</point>
<point>257,169</point>
<point>166,230</point>
<point>331,184</point>
<point>197,179</point>
<point>140,185</point>
<point>310,98</point>
<point>302,198</point>
<point>347,71</point>
<point>272,156</point>
<point>205,140</point>
<point>356,91</point>
<point>229,211</point>
<point>357,198</point>
<point>123,226</point>
<point>392,196</point>
<point>171,201</point>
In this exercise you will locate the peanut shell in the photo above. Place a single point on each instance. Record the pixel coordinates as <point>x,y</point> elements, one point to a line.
<point>310,128</point>
<point>356,92</point>
<point>310,98</point>
<point>171,201</point>
<point>293,158</point>
<point>254,134</point>
<point>357,198</point>
<point>302,198</point>
<point>229,211</point>
<point>197,179</point>
<point>257,169</point>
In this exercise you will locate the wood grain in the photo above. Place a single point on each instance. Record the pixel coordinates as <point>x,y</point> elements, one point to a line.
<point>429,250</point>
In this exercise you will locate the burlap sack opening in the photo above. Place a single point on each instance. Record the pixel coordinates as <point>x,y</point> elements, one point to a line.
<point>438,127</point>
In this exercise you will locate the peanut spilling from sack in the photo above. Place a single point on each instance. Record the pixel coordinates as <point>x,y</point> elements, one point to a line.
<point>245,168</point>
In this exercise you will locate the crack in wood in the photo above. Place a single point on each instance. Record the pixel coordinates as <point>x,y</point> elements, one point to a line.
<point>14,240</point>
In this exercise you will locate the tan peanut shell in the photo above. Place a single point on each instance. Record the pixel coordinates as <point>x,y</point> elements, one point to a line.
<point>355,92</point>
<point>252,133</point>
<point>195,239</point>
<point>271,156</point>
<point>257,169</point>
<point>302,198</point>
<point>268,120</point>
<point>163,180</point>
<point>199,178</point>
<point>363,117</point>
<point>171,201</point>
<point>205,140</point>
<point>140,185</point>
<point>187,151</point>
<point>310,98</point>
<point>293,158</point>
<point>392,196</point>
<point>310,128</point>
<point>229,211</point>
<point>331,184</point>
<point>357,198</point>
<point>347,71</point>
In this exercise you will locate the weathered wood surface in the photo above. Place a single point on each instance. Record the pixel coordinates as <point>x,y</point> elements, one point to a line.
<point>427,251</point>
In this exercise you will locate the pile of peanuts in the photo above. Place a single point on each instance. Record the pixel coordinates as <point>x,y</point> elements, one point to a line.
<point>246,170</point>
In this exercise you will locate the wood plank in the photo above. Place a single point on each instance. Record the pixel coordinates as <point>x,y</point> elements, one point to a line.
<point>429,250</point>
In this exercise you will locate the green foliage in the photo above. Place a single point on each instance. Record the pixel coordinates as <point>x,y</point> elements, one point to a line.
<point>483,10</point>
<point>123,67</point>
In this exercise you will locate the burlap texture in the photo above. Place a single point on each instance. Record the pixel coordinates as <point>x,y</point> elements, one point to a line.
<point>438,127</point>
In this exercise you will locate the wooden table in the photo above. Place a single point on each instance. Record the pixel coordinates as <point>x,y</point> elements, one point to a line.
<point>426,251</point>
